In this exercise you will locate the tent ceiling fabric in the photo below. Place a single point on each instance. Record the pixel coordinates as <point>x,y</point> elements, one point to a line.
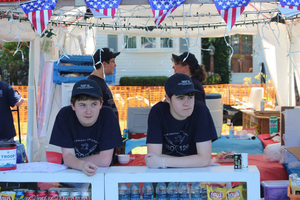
<point>188,20</point>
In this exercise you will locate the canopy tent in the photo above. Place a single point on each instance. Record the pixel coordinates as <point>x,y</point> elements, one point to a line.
<point>280,42</point>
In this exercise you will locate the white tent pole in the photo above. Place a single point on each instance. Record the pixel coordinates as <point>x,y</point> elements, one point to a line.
<point>30,101</point>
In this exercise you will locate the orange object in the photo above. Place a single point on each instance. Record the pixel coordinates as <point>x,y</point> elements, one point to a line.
<point>54,157</point>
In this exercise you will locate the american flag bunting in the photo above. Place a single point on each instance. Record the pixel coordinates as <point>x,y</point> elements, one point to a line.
<point>39,13</point>
<point>291,4</point>
<point>103,8</point>
<point>163,8</point>
<point>231,10</point>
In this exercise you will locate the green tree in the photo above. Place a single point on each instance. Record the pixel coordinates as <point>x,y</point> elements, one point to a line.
<point>15,67</point>
<point>221,57</point>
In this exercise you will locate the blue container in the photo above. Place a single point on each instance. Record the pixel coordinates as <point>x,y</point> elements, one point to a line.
<point>275,190</point>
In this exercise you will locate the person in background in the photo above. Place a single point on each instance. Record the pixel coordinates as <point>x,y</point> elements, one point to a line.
<point>180,129</point>
<point>104,60</point>
<point>8,98</point>
<point>187,63</point>
<point>86,131</point>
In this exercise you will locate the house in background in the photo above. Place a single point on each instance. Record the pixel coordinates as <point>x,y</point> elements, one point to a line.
<point>151,56</point>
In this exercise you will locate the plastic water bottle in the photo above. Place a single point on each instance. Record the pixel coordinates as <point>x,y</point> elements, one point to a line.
<point>196,191</point>
<point>148,191</point>
<point>183,191</point>
<point>161,191</point>
<point>135,191</point>
<point>123,191</point>
<point>172,191</point>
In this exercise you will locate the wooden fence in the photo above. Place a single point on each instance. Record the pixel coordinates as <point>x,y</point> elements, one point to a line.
<point>142,96</point>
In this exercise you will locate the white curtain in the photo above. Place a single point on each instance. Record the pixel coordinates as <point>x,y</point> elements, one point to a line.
<point>276,43</point>
<point>295,52</point>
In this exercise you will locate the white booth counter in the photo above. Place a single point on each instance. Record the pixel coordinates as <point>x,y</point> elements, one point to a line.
<point>115,175</point>
<point>65,176</point>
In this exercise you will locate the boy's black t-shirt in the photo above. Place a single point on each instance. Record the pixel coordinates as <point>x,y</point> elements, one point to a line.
<point>179,137</point>
<point>69,133</point>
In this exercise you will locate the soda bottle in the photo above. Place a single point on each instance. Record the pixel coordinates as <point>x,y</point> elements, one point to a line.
<point>161,191</point>
<point>135,191</point>
<point>123,191</point>
<point>183,191</point>
<point>172,191</point>
<point>148,191</point>
<point>196,191</point>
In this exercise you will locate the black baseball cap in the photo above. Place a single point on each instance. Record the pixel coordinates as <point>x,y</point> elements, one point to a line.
<point>190,59</point>
<point>179,84</point>
<point>88,87</point>
<point>106,55</point>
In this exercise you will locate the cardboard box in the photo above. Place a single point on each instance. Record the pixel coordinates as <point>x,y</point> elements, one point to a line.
<point>293,154</point>
<point>282,125</point>
<point>290,132</point>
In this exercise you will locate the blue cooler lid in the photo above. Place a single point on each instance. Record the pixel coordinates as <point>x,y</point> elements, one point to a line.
<point>213,96</point>
<point>275,184</point>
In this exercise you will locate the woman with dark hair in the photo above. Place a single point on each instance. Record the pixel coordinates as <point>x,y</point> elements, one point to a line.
<point>187,63</point>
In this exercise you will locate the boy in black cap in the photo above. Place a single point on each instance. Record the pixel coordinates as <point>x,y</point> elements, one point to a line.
<point>104,65</point>
<point>180,130</point>
<point>86,136</point>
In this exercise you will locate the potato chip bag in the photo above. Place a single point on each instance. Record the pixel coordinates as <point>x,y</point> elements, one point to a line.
<point>216,194</point>
<point>235,193</point>
<point>10,195</point>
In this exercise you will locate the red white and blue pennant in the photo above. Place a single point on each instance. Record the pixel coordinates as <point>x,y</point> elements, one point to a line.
<point>39,13</point>
<point>103,8</point>
<point>289,7</point>
<point>231,10</point>
<point>163,8</point>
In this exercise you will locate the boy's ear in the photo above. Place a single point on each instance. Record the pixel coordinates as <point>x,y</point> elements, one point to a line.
<point>167,98</point>
<point>73,107</point>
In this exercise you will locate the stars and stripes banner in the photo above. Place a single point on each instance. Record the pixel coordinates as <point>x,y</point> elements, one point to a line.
<point>289,7</point>
<point>291,4</point>
<point>163,8</point>
<point>39,13</point>
<point>231,10</point>
<point>103,8</point>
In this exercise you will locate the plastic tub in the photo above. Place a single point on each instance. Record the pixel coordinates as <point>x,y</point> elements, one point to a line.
<point>8,156</point>
<point>275,190</point>
<point>213,102</point>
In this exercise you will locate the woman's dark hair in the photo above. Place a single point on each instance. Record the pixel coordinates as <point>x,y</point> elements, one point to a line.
<point>199,72</point>
<point>83,97</point>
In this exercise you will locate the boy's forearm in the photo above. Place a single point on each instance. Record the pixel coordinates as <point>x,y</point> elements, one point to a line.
<point>187,161</point>
<point>73,162</point>
<point>103,159</point>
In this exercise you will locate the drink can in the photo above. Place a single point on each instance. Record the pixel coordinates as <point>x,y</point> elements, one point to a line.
<point>41,195</point>
<point>30,195</point>
<point>63,195</point>
<point>75,195</point>
<point>52,195</point>
<point>237,161</point>
<point>85,195</point>
<point>20,194</point>
<point>244,160</point>
<point>273,124</point>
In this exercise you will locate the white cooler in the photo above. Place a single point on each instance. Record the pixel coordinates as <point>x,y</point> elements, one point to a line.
<point>214,104</point>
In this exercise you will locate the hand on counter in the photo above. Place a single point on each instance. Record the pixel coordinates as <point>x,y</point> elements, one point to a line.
<point>155,161</point>
<point>89,168</point>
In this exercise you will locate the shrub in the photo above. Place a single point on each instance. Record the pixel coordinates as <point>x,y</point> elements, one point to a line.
<point>143,80</point>
<point>213,79</point>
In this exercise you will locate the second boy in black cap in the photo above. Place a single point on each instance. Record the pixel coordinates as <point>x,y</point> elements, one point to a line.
<point>104,60</point>
<point>180,130</point>
<point>86,136</point>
